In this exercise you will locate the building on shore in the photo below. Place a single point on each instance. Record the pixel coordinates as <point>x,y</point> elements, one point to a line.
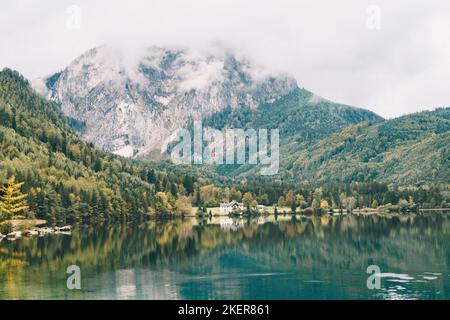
<point>233,205</point>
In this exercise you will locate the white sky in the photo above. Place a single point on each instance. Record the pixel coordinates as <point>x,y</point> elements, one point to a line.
<point>402,67</point>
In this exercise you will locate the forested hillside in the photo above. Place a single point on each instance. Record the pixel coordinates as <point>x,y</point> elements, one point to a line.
<point>412,149</point>
<point>300,116</point>
<point>67,179</point>
<point>323,142</point>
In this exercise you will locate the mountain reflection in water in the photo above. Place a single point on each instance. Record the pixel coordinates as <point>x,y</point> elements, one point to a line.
<point>222,258</point>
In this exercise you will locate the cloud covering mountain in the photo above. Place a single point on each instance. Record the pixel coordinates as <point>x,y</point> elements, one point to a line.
<point>130,106</point>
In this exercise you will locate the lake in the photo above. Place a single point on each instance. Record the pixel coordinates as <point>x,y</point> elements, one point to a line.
<point>270,257</point>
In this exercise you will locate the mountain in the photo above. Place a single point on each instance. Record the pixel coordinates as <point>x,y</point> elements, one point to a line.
<point>130,105</point>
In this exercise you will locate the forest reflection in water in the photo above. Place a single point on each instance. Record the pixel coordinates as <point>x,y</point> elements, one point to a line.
<point>222,258</point>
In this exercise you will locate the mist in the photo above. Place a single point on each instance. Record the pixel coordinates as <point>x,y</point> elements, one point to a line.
<point>391,58</point>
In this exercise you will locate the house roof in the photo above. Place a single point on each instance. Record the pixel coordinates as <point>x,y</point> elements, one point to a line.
<point>232,203</point>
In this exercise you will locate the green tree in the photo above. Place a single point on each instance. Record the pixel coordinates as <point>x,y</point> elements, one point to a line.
<point>290,201</point>
<point>374,204</point>
<point>235,194</point>
<point>315,205</point>
<point>349,203</point>
<point>281,202</point>
<point>248,200</point>
<point>403,205</point>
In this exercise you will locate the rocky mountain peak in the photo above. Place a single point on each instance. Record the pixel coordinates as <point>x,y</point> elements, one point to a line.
<point>131,103</point>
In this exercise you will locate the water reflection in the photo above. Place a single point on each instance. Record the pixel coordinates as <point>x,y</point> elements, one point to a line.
<point>269,257</point>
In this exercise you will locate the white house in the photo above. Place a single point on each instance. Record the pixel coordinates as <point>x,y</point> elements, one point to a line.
<point>233,205</point>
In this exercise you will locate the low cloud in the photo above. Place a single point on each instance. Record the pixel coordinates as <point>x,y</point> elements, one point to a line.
<point>402,67</point>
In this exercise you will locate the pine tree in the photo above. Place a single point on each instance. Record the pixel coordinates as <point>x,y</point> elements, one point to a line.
<point>12,200</point>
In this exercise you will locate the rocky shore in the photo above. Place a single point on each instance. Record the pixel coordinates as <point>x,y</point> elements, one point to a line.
<point>30,228</point>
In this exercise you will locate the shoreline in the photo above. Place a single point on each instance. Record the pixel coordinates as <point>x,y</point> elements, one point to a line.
<point>31,228</point>
<point>34,227</point>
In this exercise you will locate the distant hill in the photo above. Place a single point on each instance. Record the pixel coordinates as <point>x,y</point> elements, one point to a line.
<point>407,150</point>
<point>329,143</point>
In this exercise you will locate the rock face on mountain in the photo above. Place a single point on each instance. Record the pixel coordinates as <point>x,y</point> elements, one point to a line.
<point>131,105</point>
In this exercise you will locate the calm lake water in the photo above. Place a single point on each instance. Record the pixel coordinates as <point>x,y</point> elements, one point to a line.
<point>219,258</point>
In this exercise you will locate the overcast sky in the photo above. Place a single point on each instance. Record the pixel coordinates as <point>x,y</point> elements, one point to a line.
<point>392,57</point>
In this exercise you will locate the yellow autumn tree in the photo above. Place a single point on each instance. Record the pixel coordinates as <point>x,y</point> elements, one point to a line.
<point>324,204</point>
<point>12,200</point>
<point>183,205</point>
